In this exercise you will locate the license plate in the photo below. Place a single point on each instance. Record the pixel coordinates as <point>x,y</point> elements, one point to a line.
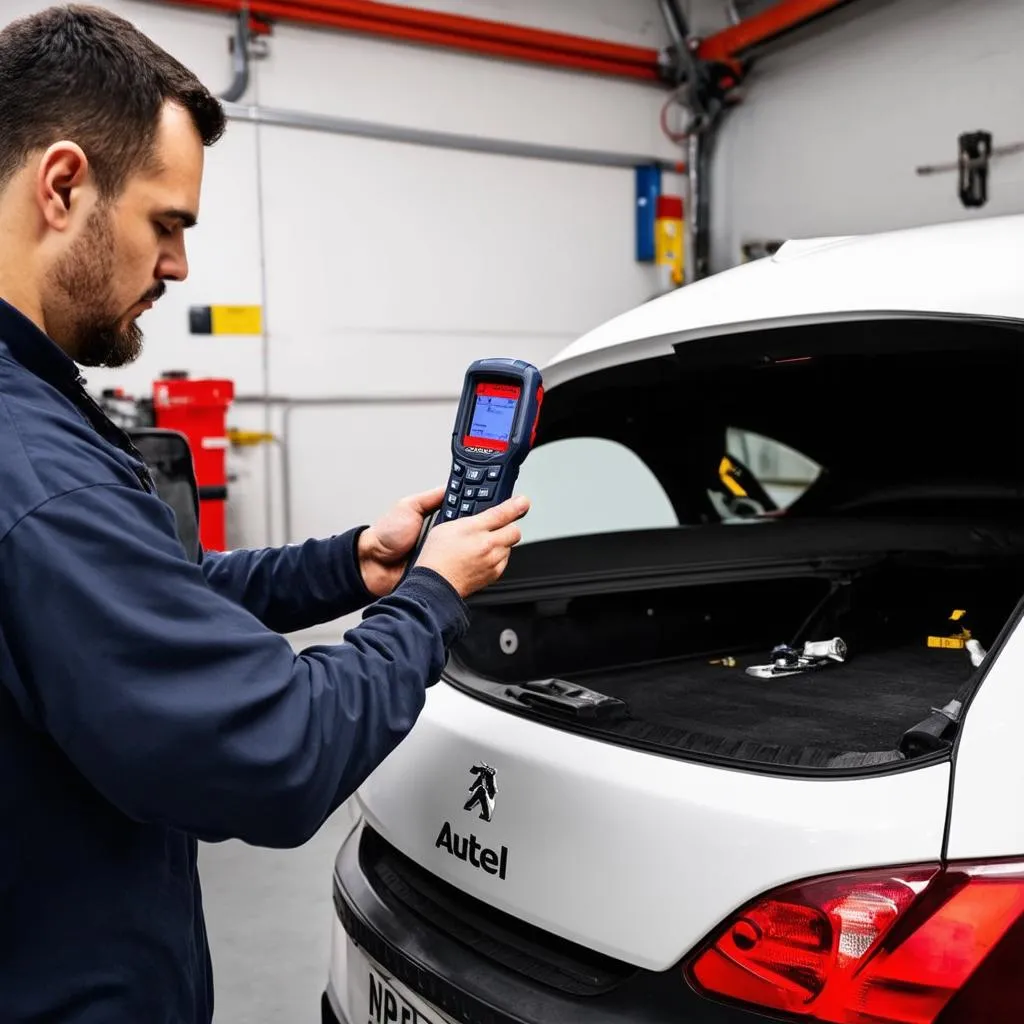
<point>374,998</point>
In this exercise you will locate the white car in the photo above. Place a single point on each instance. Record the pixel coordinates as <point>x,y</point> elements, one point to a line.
<point>740,735</point>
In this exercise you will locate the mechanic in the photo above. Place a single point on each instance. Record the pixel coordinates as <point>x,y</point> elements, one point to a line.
<point>147,696</point>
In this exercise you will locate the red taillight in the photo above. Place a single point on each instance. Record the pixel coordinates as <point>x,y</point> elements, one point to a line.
<point>894,947</point>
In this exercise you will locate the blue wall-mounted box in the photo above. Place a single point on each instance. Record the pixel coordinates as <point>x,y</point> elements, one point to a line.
<point>648,188</point>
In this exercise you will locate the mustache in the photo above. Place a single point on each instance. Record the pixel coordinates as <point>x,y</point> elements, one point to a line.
<point>155,292</point>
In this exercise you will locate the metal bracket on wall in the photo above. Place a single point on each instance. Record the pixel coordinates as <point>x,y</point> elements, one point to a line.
<point>259,47</point>
<point>976,155</point>
<point>975,151</point>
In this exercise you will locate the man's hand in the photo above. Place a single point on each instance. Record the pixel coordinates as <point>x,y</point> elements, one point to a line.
<point>385,546</point>
<point>473,552</point>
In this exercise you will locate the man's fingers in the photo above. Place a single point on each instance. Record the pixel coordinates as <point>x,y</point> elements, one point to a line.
<point>507,536</point>
<point>473,551</point>
<point>505,513</point>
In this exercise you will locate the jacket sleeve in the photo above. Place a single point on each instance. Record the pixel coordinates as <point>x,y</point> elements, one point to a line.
<point>177,704</point>
<point>292,587</point>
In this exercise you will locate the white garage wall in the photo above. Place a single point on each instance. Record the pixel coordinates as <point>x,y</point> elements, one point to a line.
<point>385,268</point>
<point>832,129</point>
<point>421,259</point>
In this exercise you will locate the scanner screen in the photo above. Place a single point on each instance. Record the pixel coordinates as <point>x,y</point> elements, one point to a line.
<point>490,425</point>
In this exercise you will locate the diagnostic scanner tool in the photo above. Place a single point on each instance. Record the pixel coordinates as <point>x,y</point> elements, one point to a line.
<point>495,428</point>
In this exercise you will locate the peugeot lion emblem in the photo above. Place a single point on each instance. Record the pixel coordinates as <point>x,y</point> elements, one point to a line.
<point>482,790</point>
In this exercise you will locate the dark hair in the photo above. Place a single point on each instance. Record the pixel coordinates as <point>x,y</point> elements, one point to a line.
<point>84,74</point>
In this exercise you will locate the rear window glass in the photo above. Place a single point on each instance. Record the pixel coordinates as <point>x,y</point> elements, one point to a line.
<point>576,485</point>
<point>887,418</point>
<point>591,485</point>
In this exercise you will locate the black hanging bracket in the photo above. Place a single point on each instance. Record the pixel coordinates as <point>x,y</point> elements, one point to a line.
<point>975,153</point>
<point>975,157</point>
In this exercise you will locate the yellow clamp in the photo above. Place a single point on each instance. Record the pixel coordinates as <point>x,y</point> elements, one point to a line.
<point>956,641</point>
<point>727,474</point>
<point>245,438</point>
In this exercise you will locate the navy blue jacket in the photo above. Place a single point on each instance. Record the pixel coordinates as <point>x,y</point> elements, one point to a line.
<point>147,699</point>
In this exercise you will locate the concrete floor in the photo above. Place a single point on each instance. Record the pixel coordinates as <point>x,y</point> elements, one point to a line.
<point>269,915</point>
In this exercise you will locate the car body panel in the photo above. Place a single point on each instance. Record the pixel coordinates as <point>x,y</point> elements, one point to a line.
<point>985,816</point>
<point>630,854</point>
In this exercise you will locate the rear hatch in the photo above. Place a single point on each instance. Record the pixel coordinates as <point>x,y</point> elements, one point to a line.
<point>598,765</point>
<point>701,516</point>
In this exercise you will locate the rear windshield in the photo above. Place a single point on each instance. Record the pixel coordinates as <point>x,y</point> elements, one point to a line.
<point>883,417</point>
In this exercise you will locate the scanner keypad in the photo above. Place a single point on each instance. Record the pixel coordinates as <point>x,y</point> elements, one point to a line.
<point>471,489</point>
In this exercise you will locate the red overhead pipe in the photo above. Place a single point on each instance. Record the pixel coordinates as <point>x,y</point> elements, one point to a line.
<point>478,28</point>
<point>471,35</point>
<point>495,48</point>
<point>726,46</point>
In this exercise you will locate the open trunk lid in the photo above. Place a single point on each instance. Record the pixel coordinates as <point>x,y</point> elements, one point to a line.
<point>703,516</point>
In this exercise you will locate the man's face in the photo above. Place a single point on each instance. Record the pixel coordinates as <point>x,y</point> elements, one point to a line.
<point>116,265</point>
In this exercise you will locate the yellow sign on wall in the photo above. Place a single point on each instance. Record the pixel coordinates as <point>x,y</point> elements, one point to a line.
<point>225,320</point>
<point>236,319</point>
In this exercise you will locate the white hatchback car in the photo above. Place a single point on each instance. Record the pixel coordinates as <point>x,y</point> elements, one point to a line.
<point>740,735</point>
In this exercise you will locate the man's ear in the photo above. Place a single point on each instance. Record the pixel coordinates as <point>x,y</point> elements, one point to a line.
<point>62,175</point>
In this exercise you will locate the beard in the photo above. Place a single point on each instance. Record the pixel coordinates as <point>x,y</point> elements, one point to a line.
<point>91,334</point>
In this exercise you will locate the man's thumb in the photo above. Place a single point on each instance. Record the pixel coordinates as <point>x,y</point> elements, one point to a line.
<point>427,501</point>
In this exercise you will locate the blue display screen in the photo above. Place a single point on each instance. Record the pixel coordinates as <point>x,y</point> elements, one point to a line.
<point>493,416</point>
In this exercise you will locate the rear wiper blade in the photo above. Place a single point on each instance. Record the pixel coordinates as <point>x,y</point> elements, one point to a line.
<point>559,697</point>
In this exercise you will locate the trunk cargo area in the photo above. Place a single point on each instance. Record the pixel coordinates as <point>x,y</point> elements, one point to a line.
<point>861,706</point>
<point>674,648</point>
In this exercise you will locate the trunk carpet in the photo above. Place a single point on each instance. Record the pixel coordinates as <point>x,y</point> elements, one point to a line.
<point>863,705</point>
